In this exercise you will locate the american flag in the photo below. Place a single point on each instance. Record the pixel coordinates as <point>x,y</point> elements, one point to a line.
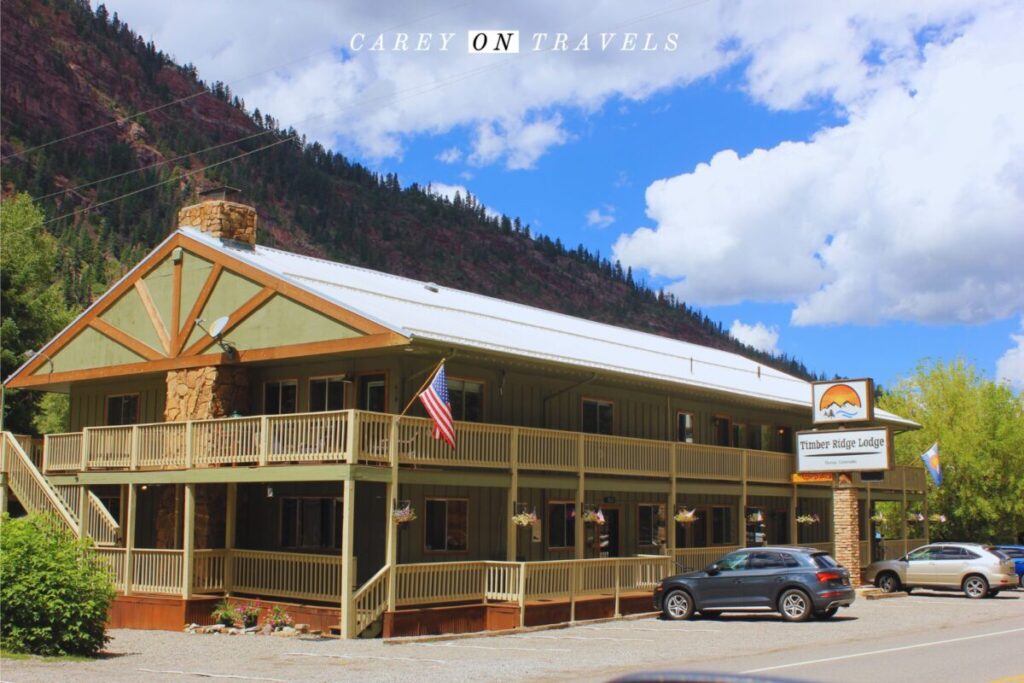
<point>435,400</point>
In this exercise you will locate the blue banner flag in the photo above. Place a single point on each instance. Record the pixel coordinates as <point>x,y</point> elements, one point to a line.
<point>931,461</point>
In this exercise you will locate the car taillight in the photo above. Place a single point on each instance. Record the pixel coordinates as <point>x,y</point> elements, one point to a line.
<point>829,576</point>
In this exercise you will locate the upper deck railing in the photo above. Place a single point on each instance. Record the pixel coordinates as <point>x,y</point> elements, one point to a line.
<point>365,437</point>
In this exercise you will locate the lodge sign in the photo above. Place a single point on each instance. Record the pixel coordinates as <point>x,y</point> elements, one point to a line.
<point>844,450</point>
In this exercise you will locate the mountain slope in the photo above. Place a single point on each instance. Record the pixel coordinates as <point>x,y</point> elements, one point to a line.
<point>67,69</point>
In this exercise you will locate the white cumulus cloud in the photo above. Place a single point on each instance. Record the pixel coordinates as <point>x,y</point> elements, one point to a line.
<point>450,191</point>
<point>1010,366</point>
<point>600,219</point>
<point>912,210</point>
<point>758,336</point>
<point>450,155</point>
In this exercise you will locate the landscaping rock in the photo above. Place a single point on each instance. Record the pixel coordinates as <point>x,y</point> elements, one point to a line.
<point>302,628</point>
<point>267,630</point>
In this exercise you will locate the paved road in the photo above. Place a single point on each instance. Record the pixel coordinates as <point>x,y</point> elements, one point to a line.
<point>600,652</point>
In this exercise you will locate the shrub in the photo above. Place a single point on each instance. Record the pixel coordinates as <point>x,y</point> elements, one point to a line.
<point>225,613</point>
<point>54,592</point>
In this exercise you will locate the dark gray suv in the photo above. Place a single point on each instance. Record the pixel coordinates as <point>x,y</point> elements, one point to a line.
<point>796,582</point>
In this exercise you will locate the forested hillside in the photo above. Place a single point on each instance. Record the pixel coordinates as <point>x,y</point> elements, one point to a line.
<point>67,69</point>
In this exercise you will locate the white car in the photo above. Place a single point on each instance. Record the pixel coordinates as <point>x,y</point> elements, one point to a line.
<point>978,570</point>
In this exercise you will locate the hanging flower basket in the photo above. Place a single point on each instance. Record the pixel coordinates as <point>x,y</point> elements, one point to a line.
<point>403,514</point>
<point>755,517</point>
<point>937,519</point>
<point>685,516</point>
<point>807,520</point>
<point>912,517</point>
<point>526,518</point>
<point>878,518</point>
<point>593,517</point>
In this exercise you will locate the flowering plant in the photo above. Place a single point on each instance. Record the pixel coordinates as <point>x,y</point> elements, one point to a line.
<point>915,517</point>
<point>404,514</point>
<point>593,517</point>
<point>225,613</point>
<point>250,613</point>
<point>685,516</point>
<point>755,517</point>
<point>808,519</point>
<point>526,518</point>
<point>278,618</point>
<point>937,519</point>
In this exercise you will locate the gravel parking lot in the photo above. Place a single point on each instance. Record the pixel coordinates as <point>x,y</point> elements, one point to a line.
<point>585,652</point>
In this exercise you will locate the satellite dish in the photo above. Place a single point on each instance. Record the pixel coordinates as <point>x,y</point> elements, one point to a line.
<point>217,328</point>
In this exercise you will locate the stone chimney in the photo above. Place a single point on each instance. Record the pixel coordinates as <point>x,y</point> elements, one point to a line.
<point>219,215</point>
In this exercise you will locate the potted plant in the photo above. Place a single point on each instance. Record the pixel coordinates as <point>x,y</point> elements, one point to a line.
<point>937,519</point>
<point>526,518</point>
<point>403,512</point>
<point>250,614</point>
<point>807,520</point>
<point>593,517</point>
<point>279,618</point>
<point>685,516</point>
<point>225,613</point>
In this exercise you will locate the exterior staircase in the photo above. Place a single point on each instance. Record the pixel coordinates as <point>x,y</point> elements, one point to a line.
<point>36,494</point>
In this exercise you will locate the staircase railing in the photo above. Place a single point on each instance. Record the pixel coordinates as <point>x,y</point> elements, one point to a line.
<point>101,524</point>
<point>30,486</point>
<point>371,600</point>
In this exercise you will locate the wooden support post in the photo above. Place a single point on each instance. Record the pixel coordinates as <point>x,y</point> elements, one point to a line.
<point>133,455</point>
<point>868,559</point>
<point>3,492</point>
<point>391,558</point>
<point>905,511</point>
<point>188,542</point>
<point>522,594</point>
<point>348,613</point>
<point>580,495</point>
<point>230,527</point>
<point>512,535</point>
<point>572,591</point>
<point>129,539</point>
<point>794,528</point>
<point>83,511</point>
<point>190,446</point>
<point>670,509</point>
<point>264,440</point>
<point>86,443</point>
<point>742,526</point>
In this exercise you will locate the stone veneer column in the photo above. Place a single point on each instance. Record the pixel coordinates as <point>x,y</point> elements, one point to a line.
<point>845,520</point>
<point>221,218</point>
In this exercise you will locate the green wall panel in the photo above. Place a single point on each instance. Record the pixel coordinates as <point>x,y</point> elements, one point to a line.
<point>230,293</point>
<point>194,271</point>
<point>89,349</point>
<point>129,315</point>
<point>281,321</point>
<point>160,283</point>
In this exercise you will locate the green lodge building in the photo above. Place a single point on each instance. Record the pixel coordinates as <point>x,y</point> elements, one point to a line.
<point>244,423</point>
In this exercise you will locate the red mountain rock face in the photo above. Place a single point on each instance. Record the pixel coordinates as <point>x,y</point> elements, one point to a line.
<point>66,69</point>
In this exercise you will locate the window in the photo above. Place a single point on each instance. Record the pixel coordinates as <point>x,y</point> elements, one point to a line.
<point>372,393</point>
<point>651,524</point>
<point>280,398</point>
<point>685,428</point>
<point>467,399</point>
<point>785,439</point>
<point>446,525</point>
<point>597,416</point>
<point>760,437</point>
<point>123,409</point>
<point>326,393</point>
<point>720,430</point>
<point>311,523</point>
<point>561,525</point>
<point>739,435</point>
<point>926,553</point>
<point>733,561</point>
<point>767,560</point>
<point>694,535</point>
<point>113,504</point>
<point>723,526</point>
<point>824,560</point>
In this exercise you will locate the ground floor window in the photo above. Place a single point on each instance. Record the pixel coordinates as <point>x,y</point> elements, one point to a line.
<point>561,525</point>
<point>311,523</point>
<point>446,525</point>
<point>651,521</point>
<point>723,526</point>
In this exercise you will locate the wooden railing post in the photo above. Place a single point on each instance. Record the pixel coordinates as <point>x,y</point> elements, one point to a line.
<point>580,495</point>
<point>3,489</point>
<point>522,594</point>
<point>86,447</point>
<point>83,511</point>
<point>618,581</point>
<point>129,539</point>
<point>133,449</point>
<point>188,542</point>
<point>572,591</point>
<point>46,456</point>
<point>264,440</point>
<point>352,437</point>
<point>512,534</point>
<point>229,537</point>
<point>742,526</point>
<point>670,510</point>
<point>190,444</point>
<point>389,505</point>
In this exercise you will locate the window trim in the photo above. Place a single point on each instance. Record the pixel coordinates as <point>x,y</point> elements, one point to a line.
<point>639,543</point>
<point>106,407</point>
<point>728,430</point>
<point>483,393</point>
<point>600,401</point>
<point>434,551</point>
<point>335,520</point>
<point>342,377</point>
<point>547,529</point>
<point>357,377</point>
<point>693,426</point>
<point>263,395</point>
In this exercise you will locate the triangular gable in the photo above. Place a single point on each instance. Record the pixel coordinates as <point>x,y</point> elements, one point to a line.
<point>146,322</point>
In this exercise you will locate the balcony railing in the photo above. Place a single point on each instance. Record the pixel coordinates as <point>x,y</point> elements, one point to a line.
<point>364,437</point>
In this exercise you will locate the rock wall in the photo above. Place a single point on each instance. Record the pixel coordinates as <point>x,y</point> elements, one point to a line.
<point>221,218</point>
<point>847,527</point>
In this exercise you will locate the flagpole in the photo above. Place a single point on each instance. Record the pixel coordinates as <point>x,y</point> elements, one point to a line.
<point>416,394</point>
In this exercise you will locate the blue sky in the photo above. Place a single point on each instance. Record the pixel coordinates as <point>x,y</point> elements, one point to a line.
<point>844,185</point>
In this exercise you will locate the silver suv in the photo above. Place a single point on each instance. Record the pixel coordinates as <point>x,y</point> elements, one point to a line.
<point>979,571</point>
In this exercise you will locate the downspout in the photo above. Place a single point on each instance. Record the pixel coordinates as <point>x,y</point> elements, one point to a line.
<point>544,401</point>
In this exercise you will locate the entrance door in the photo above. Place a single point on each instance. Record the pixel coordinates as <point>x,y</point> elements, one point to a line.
<point>778,527</point>
<point>608,534</point>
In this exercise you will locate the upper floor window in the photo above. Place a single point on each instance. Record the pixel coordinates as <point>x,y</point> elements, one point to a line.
<point>760,437</point>
<point>123,409</point>
<point>597,416</point>
<point>785,439</point>
<point>561,525</point>
<point>280,397</point>
<point>685,427</point>
<point>720,430</point>
<point>372,391</point>
<point>739,435</point>
<point>326,393</point>
<point>311,523</point>
<point>467,399</point>
<point>446,525</point>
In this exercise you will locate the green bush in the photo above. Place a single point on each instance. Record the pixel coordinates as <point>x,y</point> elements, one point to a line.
<point>54,593</point>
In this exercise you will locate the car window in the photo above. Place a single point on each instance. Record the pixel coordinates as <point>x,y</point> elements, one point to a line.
<point>998,552</point>
<point>824,560</point>
<point>765,560</point>
<point>925,553</point>
<point>788,560</point>
<point>948,552</point>
<point>968,555</point>
<point>1011,552</point>
<point>733,561</point>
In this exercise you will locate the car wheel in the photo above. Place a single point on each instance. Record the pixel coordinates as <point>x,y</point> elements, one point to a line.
<point>677,605</point>
<point>975,586</point>
<point>888,582</point>
<point>827,613</point>
<point>795,605</point>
